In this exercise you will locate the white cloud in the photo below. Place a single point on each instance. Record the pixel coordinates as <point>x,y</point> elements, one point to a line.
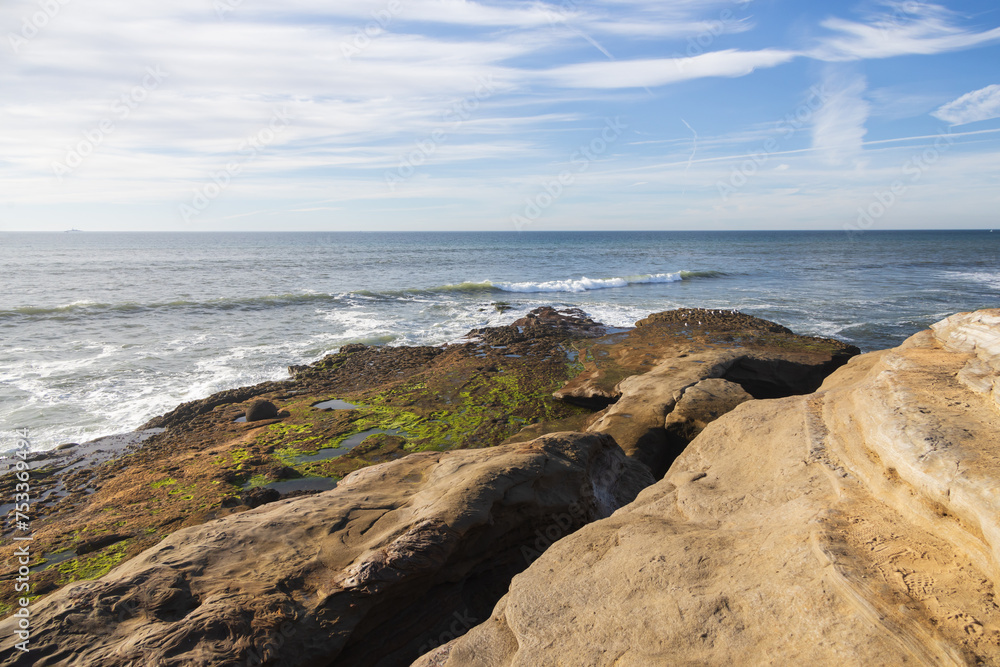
<point>982,104</point>
<point>663,71</point>
<point>354,116</point>
<point>839,125</point>
<point>910,28</point>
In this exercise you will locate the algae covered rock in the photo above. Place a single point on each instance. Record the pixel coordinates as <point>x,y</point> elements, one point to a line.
<point>200,462</point>
<point>374,572</point>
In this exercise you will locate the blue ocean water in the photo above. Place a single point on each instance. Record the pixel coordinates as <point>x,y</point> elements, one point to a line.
<point>101,331</point>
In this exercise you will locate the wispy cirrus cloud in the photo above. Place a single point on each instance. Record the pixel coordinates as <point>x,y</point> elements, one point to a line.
<point>663,71</point>
<point>839,125</point>
<point>902,28</point>
<point>982,104</point>
<point>366,82</point>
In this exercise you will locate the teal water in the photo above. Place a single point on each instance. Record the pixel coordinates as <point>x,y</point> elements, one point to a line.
<point>100,332</point>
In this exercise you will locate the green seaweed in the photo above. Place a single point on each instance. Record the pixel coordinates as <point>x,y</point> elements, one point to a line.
<point>92,567</point>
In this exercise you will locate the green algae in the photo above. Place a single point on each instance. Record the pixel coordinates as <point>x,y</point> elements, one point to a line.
<point>170,481</point>
<point>92,567</point>
<point>458,408</point>
<point>256,481</point>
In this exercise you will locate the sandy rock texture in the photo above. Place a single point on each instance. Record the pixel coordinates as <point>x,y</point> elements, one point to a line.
<point>857,525</point>
<point>645,371</point>
<point>374,572</point>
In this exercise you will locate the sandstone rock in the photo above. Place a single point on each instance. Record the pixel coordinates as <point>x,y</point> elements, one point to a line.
<point>645,371</point>
<point>374,572</point>
<point>859,525</point>
<point>260,410</point>
<point>698,406</point>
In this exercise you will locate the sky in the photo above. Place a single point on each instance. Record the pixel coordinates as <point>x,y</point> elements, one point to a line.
<point>357,115</point>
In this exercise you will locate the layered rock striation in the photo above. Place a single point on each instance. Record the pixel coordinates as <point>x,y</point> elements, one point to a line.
<point>855,525</point>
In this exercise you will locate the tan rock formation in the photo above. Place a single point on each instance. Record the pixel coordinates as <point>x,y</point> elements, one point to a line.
<point>859,525</point>
<point>375,572</point>
<point>698,406</point>
<point>646,370</point>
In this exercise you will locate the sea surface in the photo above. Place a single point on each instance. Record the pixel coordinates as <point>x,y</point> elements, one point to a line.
<point>99,332</point>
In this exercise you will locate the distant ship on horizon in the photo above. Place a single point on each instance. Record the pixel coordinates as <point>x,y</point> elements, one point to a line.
<point>72,230</point>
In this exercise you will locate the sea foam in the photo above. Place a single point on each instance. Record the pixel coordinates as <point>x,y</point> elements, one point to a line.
<point>585,284</point>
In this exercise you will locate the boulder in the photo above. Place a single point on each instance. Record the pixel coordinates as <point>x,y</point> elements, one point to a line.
<point>260,410</point>
<point>260,496</point>
<point>397,559</point>
<point>856,525</point>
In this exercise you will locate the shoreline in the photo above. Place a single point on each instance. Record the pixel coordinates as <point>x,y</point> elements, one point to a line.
<point>201,461</point>
<point>552,454</point>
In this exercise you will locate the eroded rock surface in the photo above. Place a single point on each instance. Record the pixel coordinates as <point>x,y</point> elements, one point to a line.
<point>367,574</point>
<point>368,405</point>
<point>857,525</point>
<point>644,371</point>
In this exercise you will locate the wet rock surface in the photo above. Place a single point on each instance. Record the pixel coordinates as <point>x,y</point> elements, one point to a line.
<point>261,410</point>
<point>198,463</point>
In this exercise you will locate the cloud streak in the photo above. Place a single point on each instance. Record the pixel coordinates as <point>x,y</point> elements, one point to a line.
<point>368,80</point>
<point>911,28</point>
<point>982,104</point>
<point>664,71</point>
<point>839,125</point>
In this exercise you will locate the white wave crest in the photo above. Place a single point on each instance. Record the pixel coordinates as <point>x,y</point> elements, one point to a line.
<point>585,284</point>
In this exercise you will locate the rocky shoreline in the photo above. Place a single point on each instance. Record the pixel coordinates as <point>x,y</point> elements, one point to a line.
<point>706,486</point>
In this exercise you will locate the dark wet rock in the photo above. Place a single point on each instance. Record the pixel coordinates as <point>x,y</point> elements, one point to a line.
<point>540,323</point>
<point>93,544</point>
<point>261,410</point>
<point>282,472</point>
<point>719,320</point>
<point>185,412</point>
<point>228,476</point>
<point>260,496</point>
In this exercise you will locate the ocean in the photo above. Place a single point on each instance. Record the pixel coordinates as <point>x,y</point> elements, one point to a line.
<point>99,332</point>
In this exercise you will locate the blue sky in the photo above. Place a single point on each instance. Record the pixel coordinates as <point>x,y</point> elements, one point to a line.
<point>458,115</point>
